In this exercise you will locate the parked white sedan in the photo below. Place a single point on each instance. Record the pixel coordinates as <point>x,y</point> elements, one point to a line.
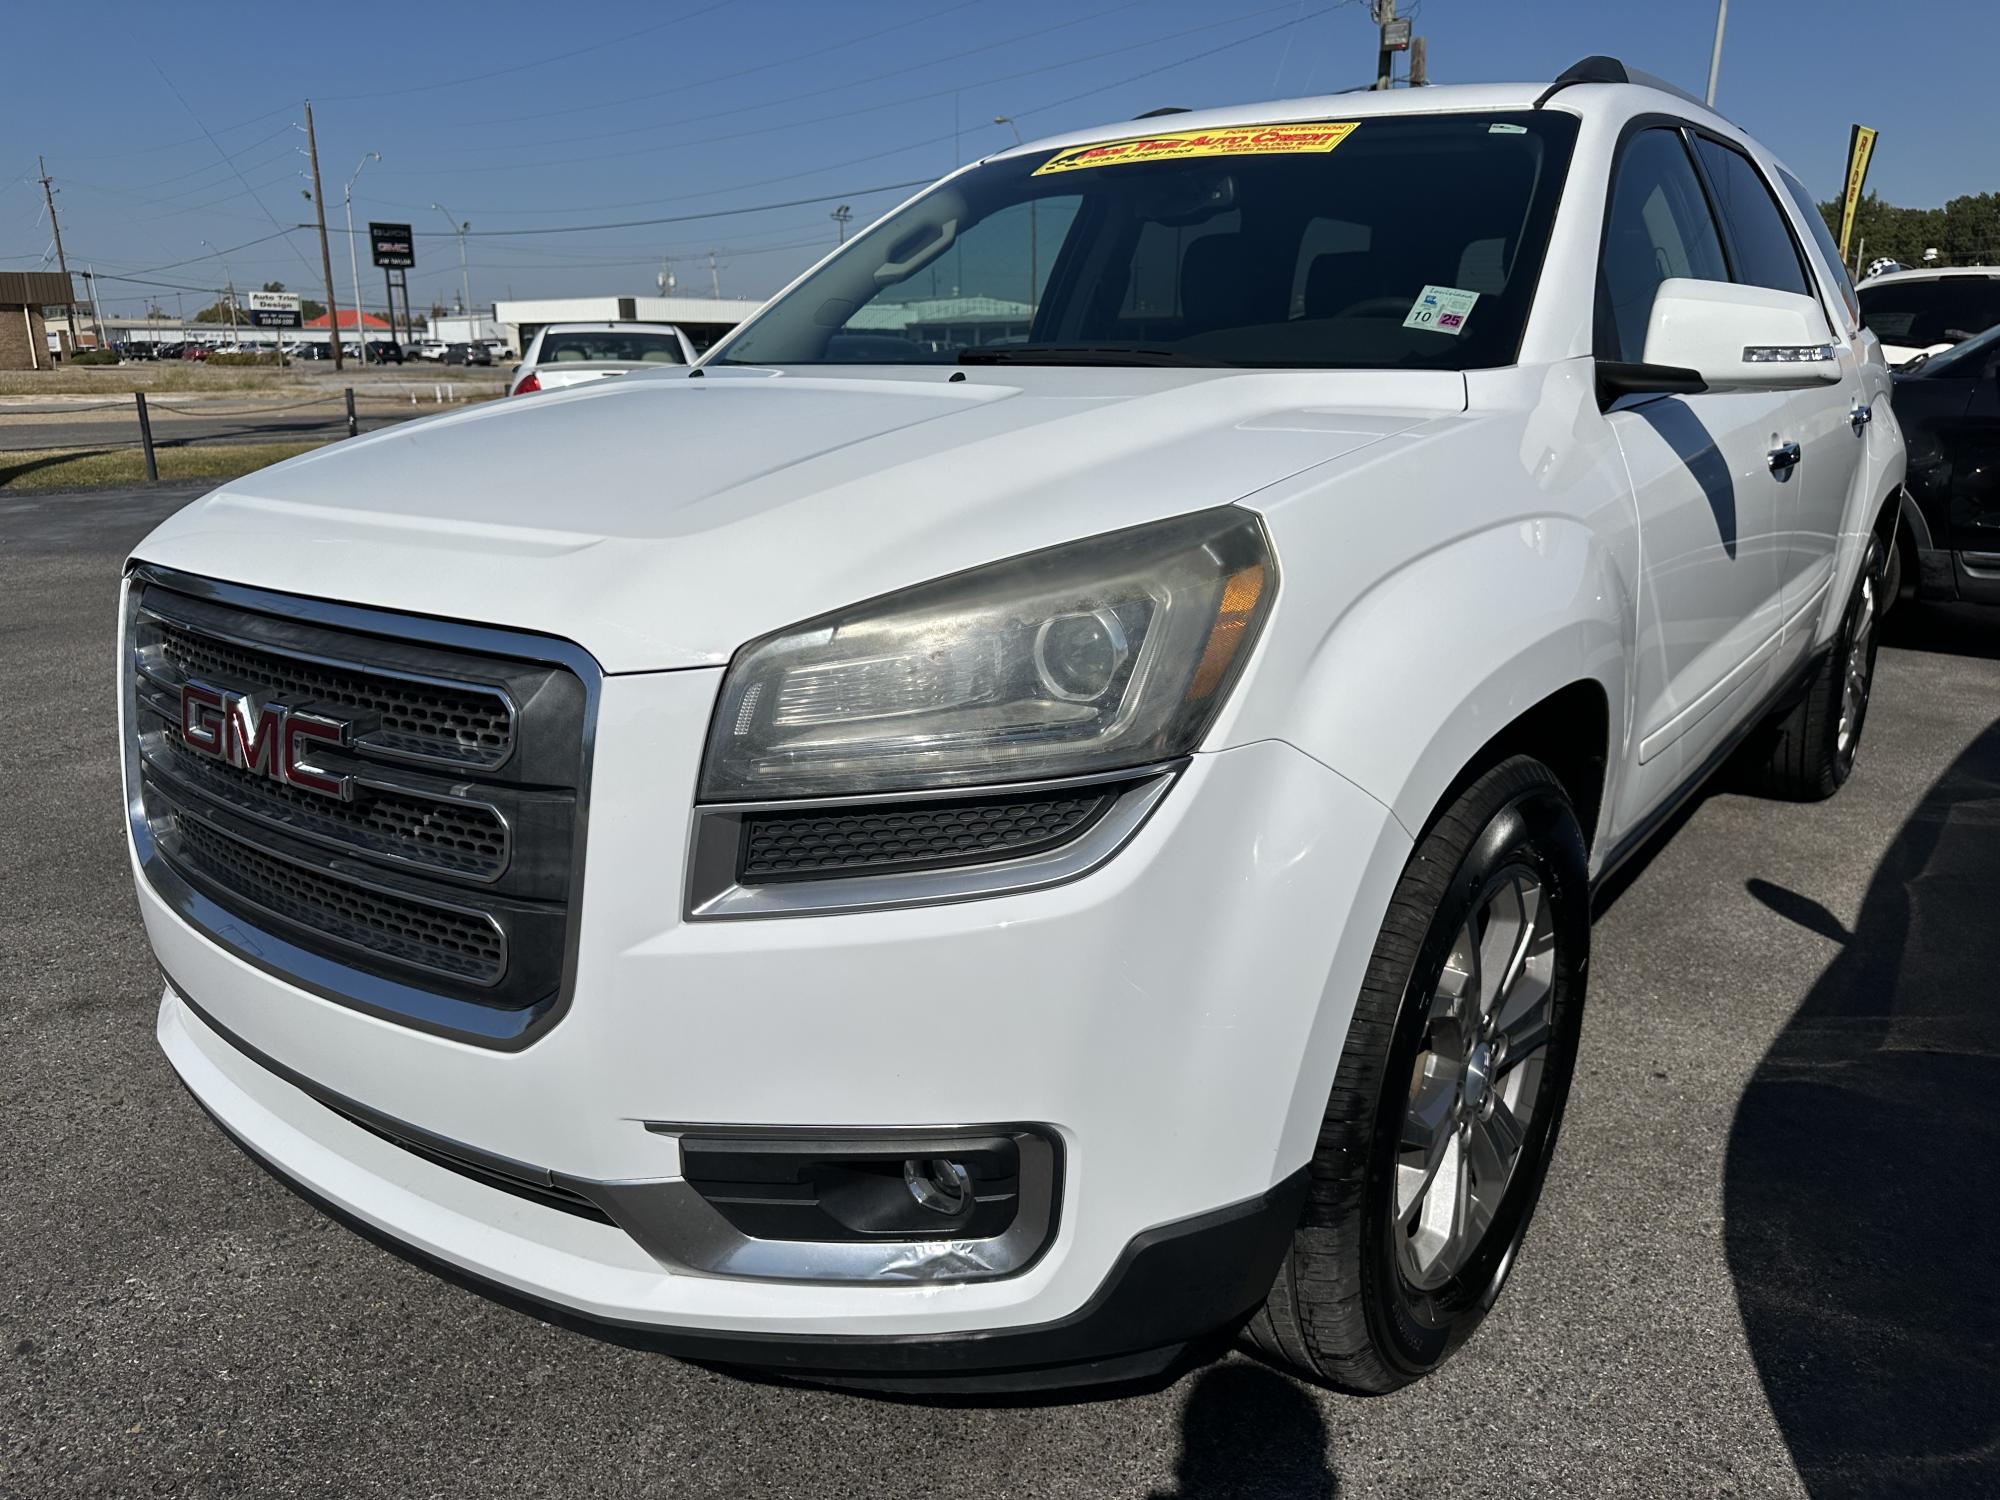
<point>571,353</point>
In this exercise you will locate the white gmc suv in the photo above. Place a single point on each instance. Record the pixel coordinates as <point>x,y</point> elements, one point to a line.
<point>1040,804</point>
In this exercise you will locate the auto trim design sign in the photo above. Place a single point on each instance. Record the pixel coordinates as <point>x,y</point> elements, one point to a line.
<point>1315,138</point>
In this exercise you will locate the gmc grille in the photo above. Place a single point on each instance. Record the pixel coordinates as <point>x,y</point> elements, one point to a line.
<point>440,890</point>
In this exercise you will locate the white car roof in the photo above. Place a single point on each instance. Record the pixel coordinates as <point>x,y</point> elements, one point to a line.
<point>1929,273</point>
<point>610,328</point>
<point>1613,99</point>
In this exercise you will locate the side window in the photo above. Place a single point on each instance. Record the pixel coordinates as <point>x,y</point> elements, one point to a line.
<point>1659,227</point>
<point>1766,254</point>
<point>1829,247</point>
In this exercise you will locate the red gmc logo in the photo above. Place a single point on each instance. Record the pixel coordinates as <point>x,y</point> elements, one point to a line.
<point>265,739</point>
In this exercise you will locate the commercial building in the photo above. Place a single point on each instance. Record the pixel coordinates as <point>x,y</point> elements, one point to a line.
<point>702,319</point>
<point>24,333</point>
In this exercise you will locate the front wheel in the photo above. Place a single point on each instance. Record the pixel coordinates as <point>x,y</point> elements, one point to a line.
<point>1444,1112</point>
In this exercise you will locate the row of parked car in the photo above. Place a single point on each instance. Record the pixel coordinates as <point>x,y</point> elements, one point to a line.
<point>377,352</point>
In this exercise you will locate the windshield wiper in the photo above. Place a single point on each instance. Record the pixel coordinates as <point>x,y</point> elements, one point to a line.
<point>1082,354</point>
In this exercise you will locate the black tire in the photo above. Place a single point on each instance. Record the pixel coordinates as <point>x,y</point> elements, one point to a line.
<point>1342,1310</point>
<point>1803,755</point>
<point>1899,571</point>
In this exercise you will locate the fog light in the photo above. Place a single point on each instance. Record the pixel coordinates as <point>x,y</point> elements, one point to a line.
<point>940,1184</point>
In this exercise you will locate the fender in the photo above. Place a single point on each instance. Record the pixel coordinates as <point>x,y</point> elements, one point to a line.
<point>1406,687</point>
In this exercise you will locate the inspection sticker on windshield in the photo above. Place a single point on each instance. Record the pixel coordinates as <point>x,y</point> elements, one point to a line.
<point>1441,309</point>
<point>1316,138</point>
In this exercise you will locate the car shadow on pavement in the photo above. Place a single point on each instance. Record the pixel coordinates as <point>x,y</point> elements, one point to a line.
<point>1862,1184</point>
<point>1248,1431</point>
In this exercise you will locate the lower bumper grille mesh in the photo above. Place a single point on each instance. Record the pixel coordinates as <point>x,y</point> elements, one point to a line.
<point>912,835</point>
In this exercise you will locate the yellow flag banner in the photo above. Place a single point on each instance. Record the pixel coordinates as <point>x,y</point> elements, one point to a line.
<point>1860,147</point>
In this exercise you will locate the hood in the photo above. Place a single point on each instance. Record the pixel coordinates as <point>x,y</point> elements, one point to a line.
<point>662,521</point>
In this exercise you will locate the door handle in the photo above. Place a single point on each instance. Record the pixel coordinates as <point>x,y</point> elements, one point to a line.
<point>1860,417</point>
<point>1784,458</point>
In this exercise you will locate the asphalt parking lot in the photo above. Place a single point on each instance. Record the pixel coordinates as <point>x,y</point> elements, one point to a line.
<point>1762,1266</point>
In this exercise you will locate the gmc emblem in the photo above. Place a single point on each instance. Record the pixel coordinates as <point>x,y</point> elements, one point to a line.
<point>265,739</point>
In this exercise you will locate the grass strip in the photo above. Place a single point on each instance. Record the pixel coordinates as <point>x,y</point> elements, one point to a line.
<point>94,468</point>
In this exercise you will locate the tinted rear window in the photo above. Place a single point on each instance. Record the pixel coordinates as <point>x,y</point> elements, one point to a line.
<point>1921,313</point>
<point>622,348</point>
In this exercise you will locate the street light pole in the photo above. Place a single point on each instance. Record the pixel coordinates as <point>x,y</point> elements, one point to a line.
<point>1715,53</point>
<point>353,262</point>
<point>464,280</point>
<point>229,295</point>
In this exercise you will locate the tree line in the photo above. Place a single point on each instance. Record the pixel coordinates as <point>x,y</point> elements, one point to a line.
<point>1965,232</point>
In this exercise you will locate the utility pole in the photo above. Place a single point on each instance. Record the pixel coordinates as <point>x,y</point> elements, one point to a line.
<point>714,276</point>
<point>1715,52</point>
<point>62,265</point>
<point>840,217</point>
<point>1395,38</point>
<point>229,295</point>
<point>1418,74</point>
<point>325,255</point>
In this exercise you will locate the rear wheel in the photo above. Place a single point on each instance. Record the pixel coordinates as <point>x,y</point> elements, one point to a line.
<point>1808,750</point>
<point>1444,1113</point>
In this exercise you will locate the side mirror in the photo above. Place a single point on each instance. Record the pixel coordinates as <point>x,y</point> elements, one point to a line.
<point>1740,336</point>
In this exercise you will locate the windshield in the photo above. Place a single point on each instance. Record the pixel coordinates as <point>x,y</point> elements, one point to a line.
<point>1402,241</point>
<point>1965,361</point>
<point>1918,314</point>
<point>582,346</point>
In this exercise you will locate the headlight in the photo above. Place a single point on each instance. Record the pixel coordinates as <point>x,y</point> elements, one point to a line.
<point>1103,654</point>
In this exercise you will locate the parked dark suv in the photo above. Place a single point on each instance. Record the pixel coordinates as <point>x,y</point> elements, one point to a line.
<point>1949,408</point>
<point>384,352</point>
<point>468,354</point>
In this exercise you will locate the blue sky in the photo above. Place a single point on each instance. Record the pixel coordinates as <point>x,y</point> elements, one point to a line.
<point>168,127</point>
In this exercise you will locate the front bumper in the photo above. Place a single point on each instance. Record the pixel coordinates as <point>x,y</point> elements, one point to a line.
<point>1174,1019</point>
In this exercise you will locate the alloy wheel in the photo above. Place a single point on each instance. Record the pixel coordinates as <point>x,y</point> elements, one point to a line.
<point>1860,667</point>
<point>1475,1083</point>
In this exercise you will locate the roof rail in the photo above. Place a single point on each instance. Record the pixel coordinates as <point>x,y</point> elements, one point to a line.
<point>1164,109</point>
<point>1601,69</point>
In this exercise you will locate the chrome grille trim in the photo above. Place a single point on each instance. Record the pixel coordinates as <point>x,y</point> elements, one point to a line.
<point>341,684</point>
<point>203,849</point>
<point>500,846</point>
<point>338,825</point>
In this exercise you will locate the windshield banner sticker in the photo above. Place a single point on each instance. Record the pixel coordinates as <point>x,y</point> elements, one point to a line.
<point>1180,145</point>
<point>1441,309</point>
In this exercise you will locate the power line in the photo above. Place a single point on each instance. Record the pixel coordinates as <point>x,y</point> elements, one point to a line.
<point>536,65</point>
<point>714,213</point>
<point>848,84</point>
<point>896,151</point>
<point>708,80</point>
<point>232,164</point>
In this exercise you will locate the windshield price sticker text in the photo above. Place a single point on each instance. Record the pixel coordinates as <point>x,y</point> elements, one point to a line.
<point>1441,309</point>
<point>1182,145</point>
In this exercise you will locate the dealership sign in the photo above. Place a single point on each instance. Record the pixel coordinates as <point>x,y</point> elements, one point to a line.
<point>274,310</point>
<point>393,247</point>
